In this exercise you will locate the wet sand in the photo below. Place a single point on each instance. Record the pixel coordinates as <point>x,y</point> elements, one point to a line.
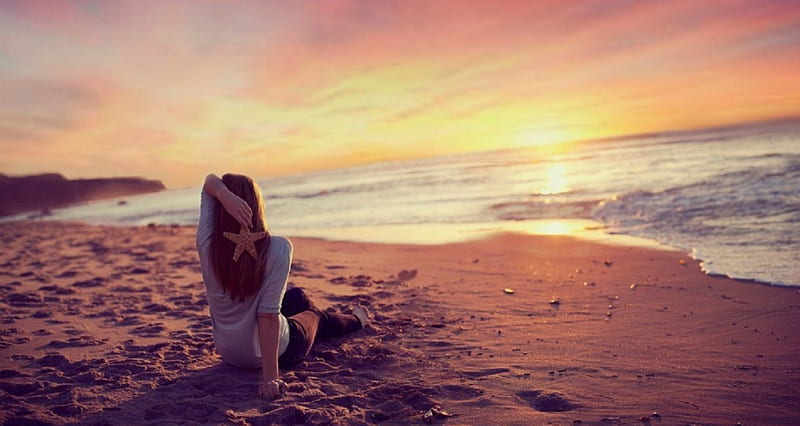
<point>105,325</point>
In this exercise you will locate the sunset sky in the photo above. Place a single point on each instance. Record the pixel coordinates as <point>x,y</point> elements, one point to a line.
<point>173,90</point>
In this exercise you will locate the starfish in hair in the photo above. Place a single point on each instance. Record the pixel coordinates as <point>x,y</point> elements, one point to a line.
<point>244,241</point>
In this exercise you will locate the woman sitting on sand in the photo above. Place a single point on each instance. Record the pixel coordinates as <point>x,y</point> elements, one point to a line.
<point>256,322</point>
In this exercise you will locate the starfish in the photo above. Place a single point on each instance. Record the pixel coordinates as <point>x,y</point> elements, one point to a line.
<point>244,241</point>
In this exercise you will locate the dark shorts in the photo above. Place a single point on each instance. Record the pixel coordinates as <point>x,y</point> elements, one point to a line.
<point>298,347</point>
<point>305,329</point>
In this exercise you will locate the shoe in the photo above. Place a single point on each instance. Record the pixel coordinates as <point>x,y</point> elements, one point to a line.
<point>362,314</point>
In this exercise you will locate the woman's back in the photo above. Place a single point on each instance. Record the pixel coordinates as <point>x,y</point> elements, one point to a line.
<point>234,321</point>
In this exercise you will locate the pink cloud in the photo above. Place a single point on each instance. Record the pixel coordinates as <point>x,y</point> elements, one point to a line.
<point>184,75</point>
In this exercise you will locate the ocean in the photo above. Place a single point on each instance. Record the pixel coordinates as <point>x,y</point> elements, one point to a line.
<point>729,196</point>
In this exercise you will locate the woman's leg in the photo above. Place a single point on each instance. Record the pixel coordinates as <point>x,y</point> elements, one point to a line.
<point>303,329</point>
<point>307,326</point>
<point>307,323</point>
<point>334,324</point>
<point>295,301</point>
<point>331,324</point>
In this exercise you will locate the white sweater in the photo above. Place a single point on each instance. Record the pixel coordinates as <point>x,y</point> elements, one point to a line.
<point>234,322</point>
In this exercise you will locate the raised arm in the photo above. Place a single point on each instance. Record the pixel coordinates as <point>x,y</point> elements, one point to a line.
<point>231,202</point>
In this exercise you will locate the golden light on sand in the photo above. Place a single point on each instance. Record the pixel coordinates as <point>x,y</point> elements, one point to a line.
<point>554,227</point>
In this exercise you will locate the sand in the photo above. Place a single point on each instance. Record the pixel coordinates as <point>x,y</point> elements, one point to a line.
<point>105,325</point>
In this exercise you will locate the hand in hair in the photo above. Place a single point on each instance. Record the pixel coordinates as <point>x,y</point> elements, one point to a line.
<point>233,204</point>
<point>238,208</point>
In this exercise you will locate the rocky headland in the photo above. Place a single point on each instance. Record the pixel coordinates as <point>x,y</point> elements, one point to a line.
<point>38,193</point>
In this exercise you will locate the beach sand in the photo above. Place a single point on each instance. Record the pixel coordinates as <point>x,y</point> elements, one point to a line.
<point>104,325</point>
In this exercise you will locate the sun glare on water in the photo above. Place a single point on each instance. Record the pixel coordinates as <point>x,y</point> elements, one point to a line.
<point>555,180</point>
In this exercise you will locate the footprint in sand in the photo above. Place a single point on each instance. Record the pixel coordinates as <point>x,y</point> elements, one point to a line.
<point>298,267</point>
<point>155,308</point>
<point>76,342</point>
<point>123,368</point>
<point>182,335</point>
<point>151,330</point>
<point>129,320</point>
<point>107,313</point>
<point>181,263</point>
<point>546,402</point>
<point>69,409</point>
<point>24,300</point>
<point>7,374</point>
<point>474,374</point>
<point>459,392</point>
<point>363,299</point>
<point>55,289</point>
<point>94,282</point>
<point>182,300</point>
<point>97,248</point>
<point>355,281</point>
<point>129,289</point>
<point>20,389</point>
<point>6,341</point>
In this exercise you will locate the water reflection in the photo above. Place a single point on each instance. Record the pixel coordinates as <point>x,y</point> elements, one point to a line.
<point>555,181</point>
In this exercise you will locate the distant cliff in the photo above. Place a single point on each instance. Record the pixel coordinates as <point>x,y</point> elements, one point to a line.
<point>20,194</point>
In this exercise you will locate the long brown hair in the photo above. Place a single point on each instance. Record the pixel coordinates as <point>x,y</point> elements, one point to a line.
<point>242,278</point>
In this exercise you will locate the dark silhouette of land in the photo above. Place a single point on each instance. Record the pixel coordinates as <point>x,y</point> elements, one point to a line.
<point>19,194</point>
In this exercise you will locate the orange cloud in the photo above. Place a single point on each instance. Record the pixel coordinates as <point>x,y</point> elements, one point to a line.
<point>173,90</point>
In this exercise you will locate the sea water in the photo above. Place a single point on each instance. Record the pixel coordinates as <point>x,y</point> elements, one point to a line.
<point>729,196</point>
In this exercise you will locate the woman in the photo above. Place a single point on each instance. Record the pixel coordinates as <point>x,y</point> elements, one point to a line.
<point>256,322</point>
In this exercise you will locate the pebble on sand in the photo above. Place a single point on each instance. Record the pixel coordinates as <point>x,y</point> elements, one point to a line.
<point>508,290</point>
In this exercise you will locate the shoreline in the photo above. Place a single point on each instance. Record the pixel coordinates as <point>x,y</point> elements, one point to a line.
<point>102,323</point>
<point>420,234</point>
<point>448,232</point>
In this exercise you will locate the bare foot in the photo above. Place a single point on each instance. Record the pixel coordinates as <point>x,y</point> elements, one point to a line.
<point>362,314</point>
